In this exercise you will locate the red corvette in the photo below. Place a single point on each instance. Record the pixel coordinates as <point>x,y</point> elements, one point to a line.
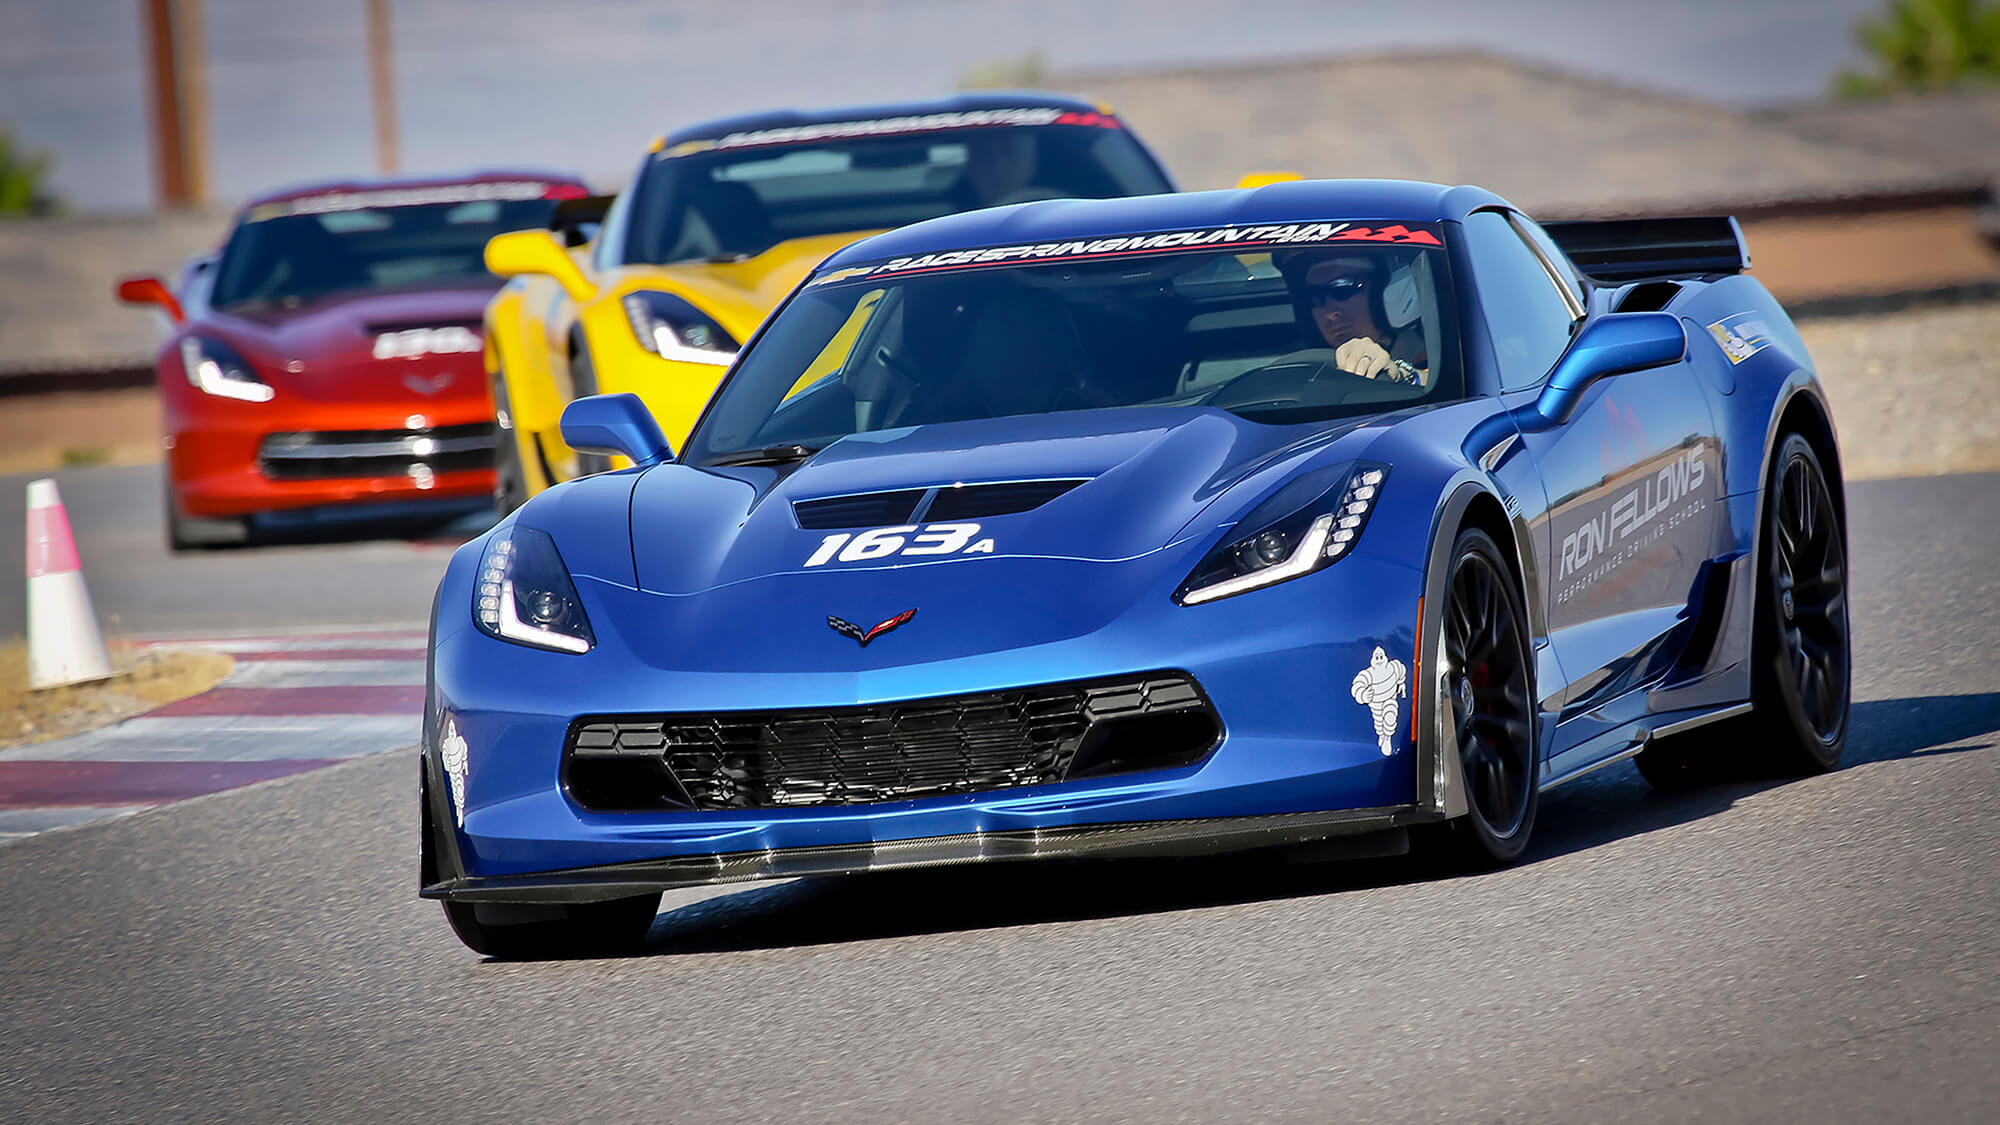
<point>327,359</point>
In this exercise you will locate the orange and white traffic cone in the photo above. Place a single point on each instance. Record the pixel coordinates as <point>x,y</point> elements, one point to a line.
<point>64,645</point>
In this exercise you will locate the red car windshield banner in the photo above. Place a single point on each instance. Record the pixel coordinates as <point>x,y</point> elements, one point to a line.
<point>1030,116</point>
<point>1263,237</point>
<point>505,191</point>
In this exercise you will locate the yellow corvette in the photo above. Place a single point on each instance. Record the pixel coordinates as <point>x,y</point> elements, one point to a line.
<point>723,219</point>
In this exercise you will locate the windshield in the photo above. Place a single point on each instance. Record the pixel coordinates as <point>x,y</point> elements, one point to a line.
<point>732,199</point>
<point>294,250</point>
<point>1277,324</point>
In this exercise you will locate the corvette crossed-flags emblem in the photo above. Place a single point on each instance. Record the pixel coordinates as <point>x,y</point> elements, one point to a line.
<point>861,637</point>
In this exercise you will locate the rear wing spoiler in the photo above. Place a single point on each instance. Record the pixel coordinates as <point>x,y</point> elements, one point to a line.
<point>1621,250</point>
<point>576,220</point>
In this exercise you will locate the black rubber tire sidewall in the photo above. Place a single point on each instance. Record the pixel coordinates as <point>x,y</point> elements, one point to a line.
<point>188,533</point>
<point>1478,845</point>
<point>510,480</point>
<point>609,928</point>
<point>583,382</point>
<point>1791,746</point>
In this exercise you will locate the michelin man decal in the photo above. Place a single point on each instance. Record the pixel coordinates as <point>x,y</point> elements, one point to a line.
<point>451,752</point>
<point>1376,688</point>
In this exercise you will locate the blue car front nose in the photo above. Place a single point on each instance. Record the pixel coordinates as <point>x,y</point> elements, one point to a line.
<point>1276,666</point>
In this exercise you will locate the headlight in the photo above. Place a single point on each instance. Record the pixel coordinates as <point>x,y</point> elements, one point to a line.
<point>671,328</point>
<point>219,370</point>
<point>524,594</point>
<point>1304,526</point>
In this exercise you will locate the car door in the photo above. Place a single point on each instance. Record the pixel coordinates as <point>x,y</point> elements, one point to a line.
<point>1632,476</point>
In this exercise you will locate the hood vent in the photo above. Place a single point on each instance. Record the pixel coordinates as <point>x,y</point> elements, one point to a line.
<point>978,501</point>
<point>869,509</point>
<point>949,503</point>
<point>475,324</point>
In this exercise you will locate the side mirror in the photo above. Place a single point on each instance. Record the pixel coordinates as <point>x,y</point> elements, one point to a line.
<point>537,252</point>
<point>617,423</point>
<point>1612,345</point>
<point>151,290</point>
<point>1259,179</point>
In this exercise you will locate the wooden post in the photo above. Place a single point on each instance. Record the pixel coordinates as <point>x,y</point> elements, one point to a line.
<point>180,118</point>
<point>180,100</point>
<point>382,81</point>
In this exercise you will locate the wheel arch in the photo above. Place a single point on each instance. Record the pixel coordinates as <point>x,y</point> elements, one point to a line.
<point>1806,414</point>
<point>1469,502</point>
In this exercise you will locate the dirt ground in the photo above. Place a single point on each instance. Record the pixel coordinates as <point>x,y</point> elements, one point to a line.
<point>54,431</point>
<point>1915,393</point>
<point>147,678</point>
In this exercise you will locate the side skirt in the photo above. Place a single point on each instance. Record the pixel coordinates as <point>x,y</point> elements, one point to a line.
<point>1637,736</point>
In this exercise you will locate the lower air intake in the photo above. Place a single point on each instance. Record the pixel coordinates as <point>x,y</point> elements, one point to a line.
<point>889,751</point>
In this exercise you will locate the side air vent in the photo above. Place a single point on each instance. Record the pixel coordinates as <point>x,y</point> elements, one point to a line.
<point>1648,296</point>
<point>869,509</point>
<point>978,501</point>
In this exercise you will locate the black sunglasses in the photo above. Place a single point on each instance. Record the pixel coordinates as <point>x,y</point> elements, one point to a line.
<point>1340,289</point>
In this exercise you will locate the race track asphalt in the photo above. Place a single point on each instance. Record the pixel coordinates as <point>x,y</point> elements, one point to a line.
<point>1823,950</point>
<point>350,574</point>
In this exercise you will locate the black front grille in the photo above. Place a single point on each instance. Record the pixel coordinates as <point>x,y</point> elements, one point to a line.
<point>889,751</point>
<point>320,454</point>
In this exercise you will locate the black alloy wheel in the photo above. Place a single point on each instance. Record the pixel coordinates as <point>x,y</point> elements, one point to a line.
<point>1801,646</point>
<point>1804,664</point>
<point>510,481</point>
<point>1488,684</point>
<point>582,383</point>
<point>193,533</point>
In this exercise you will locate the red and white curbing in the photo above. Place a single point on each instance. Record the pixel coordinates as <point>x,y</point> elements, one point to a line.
<point>290,704</point>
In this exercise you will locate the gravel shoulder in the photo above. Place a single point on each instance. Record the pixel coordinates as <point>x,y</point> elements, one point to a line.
<point>1914,392</point>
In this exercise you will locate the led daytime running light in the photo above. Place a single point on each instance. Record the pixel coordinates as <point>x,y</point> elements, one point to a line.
<point>1304,557</point>
<point>1326,529</point>
<point>1355,504</point>
<point>496,604</point>
<point>207,374</point>
<point>663,337</point>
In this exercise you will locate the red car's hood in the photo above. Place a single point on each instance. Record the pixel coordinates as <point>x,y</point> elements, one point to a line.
<point>422,345</point>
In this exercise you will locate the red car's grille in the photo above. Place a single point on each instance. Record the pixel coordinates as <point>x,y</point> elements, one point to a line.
<point>320,454</point>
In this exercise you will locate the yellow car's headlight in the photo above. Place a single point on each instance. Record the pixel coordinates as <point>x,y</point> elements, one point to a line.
<point>671,328</point>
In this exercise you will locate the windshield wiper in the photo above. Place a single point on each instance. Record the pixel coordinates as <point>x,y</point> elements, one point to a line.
<point>769,455</point>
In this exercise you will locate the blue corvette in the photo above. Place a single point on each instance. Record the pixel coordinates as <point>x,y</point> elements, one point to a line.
<point>1317,512</point>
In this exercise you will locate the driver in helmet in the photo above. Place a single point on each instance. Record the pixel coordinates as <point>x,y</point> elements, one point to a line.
<point>1363,309</point>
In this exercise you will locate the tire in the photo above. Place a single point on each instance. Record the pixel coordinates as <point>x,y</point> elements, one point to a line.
<point>191,533</point>
<point>1483,627</point>
<point>1801,643</point>
<point>519,931</point>
<point>582,382</point>
<point>1802,681</point>
<point>1688,761</point>
<point>510,480</point>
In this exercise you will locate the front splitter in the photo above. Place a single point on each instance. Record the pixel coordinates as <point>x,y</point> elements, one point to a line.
<point>1097,841</point>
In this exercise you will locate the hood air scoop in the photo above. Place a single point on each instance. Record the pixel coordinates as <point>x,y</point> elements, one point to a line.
<point>927,505</point>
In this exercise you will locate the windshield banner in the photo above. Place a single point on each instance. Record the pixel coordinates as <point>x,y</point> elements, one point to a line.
<point>506,191</point>
<point>1031,116</point>
<point>1251,238</point>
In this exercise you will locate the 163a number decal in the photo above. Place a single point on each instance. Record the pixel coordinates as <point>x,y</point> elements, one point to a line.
<point>907,541</point>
